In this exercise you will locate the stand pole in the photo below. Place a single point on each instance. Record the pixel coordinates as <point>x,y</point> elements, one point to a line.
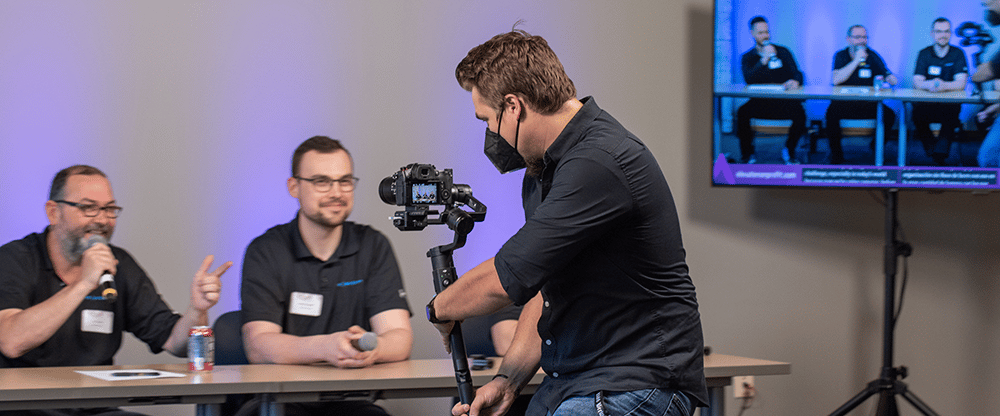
<point>444,275</point>
<point>888,385</point>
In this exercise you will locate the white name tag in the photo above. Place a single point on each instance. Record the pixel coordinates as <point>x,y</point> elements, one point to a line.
<point>308,304</point>
<point>100,322</point>
<point>774,64</point>
<point>865,72</point>
<point>934,70</point>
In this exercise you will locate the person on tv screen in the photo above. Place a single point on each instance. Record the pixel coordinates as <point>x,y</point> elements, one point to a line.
<point>313,287</point>
<point>56,310</point>
<point>940,67</point>
<point>610,309</point>
<point>856,65</point>
<point>989,151</point>
<point>767,63</point>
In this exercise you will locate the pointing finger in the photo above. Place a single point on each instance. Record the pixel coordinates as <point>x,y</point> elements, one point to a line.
<point>222,269</point>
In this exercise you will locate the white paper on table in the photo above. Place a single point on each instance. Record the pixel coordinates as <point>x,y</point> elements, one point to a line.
<point>766,87</point>
<point>855,90</point>
<point>135,374</point>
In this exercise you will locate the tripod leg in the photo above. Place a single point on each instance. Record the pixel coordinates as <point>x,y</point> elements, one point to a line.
<point>857,399</point>
<point>917,403</point>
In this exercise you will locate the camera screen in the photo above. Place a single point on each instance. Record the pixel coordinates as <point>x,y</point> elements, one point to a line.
<point>424,193</point>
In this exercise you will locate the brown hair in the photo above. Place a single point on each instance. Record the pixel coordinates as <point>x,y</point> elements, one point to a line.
<point>321,144</point>
<point>516,63</point>
<point>58,189</point>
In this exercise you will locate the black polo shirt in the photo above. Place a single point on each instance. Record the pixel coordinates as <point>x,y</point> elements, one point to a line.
<point>27,278</point>
<point>932,66</point>
<point>777,71</point>
<point>863,76</point>
<point>285,284</point>
<point>602,243</point>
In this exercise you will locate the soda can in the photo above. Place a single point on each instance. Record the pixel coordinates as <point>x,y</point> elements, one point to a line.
<point>201,349</point>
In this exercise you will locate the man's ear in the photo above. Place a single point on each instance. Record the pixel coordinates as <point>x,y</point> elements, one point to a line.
<point>52,212</point>
<point>293,187</point>
<point>515,105</point>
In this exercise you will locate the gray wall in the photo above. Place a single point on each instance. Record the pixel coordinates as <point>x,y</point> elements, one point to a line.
<point>193,108</point>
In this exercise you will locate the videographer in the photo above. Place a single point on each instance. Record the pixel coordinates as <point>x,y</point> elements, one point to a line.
<point>610,311</point>
<point>989,151</point>
<point>988,70</point>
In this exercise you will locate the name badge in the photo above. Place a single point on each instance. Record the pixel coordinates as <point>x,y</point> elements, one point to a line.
<point>774,64</point>
<point>934,70</point>
<point>308,304</point>
<point>100,322</point>
<point>865,72</point>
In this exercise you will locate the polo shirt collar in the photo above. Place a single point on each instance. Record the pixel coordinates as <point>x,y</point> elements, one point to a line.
<point>574,131</point>
<point>349,243</point>
<point>43,249</point>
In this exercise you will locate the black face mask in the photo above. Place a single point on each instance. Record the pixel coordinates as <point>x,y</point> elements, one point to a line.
<point>992,18</point>
<point>504,157</point>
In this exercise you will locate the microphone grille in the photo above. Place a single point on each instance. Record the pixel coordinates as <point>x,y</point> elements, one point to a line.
<point>95,239</point>
<point>368,341</point>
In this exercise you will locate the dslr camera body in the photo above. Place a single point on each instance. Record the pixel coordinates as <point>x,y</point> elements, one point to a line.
<point>418,186</point>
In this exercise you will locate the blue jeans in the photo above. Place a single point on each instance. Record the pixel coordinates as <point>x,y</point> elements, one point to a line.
<point>649,402</point>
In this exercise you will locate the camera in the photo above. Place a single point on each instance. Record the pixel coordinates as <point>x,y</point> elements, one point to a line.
<point>417,186</point>
<point>420,184</point>
<point>973,34</point>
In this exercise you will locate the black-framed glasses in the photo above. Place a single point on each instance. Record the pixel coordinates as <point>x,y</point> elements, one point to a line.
<point>91,210</point>
<point>324,184</point>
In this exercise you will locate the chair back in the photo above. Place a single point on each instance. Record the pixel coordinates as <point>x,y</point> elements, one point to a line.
<point>768,126</point>
<point>228,330</point>
<point>857,127</point>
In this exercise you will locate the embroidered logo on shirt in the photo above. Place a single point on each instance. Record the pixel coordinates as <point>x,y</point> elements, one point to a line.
<point>351,283</point>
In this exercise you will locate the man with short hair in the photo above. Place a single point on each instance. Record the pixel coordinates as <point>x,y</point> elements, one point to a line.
<point>52,312</point>
<point>856,65</point>
<point>767,63</point>
<point>940,67</point>
<point>610,312</point>
<point>313,286</point>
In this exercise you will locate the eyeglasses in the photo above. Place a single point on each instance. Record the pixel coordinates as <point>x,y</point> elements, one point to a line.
<point>91,210</point>
<point>324,184</point>
<point>859,37</point>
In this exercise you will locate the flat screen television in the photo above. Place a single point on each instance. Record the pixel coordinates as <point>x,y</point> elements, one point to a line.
<point>895,153</point>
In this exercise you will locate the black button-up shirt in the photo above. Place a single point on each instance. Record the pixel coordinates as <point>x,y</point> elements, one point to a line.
<point>603,245</point>
<point>360,280</point>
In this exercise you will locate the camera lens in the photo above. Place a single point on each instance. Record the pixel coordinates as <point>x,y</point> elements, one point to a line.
<point>387,191</point>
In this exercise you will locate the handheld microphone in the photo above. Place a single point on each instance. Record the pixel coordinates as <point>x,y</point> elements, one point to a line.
<point>367,342</point>
<point>859,48</point>
<point>767,43</point>
<point>107,282</point>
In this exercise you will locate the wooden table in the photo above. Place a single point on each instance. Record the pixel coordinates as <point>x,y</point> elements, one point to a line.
<point>62,387</point>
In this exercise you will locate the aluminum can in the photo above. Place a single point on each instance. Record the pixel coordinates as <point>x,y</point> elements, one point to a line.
<point>201,349</point>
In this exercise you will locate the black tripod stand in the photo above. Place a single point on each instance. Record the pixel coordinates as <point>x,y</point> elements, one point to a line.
<point>888,385</point>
